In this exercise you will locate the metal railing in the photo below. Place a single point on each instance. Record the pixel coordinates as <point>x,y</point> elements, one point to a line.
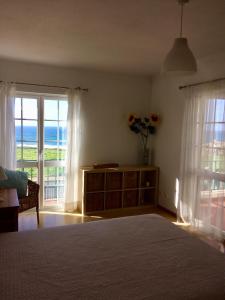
<point>53,182</point>
<point>52,191</point>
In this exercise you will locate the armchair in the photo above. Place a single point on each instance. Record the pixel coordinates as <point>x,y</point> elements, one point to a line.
<point>31,200</point>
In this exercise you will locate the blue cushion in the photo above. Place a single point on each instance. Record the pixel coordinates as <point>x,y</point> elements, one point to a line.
<point>17,180</point>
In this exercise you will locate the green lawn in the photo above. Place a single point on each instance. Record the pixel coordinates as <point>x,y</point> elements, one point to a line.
<point>30,154</point>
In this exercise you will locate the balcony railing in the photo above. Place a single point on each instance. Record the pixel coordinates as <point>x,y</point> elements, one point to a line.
<point>53,184</point>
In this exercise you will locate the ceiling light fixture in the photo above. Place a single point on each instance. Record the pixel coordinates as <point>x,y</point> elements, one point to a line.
<point>180,59</point>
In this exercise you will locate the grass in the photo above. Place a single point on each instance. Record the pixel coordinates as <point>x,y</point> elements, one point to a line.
<point>50,154</point>
<point>31,154</point>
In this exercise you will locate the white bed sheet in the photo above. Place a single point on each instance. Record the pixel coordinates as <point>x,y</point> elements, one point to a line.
<point>140,257</point>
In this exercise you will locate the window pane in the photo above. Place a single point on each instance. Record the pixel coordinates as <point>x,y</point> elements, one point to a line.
<point>29,131</point>
<point>219,132</point>
<point>50,153</point>
<point>29,108</point>
<point>18,108</point>
<point>208,133</point>
<point>220,113</point>
<point>63,108</point>
<point>51,110</point>
<point>32,173</point>
<point>53,185</point>
<point>18,131</point>
<point>210,111</point>
<point>61,153</point>
<point>30,151</point>
<point>62,131</point>
<point>18,153</point>
<point>50,131</point>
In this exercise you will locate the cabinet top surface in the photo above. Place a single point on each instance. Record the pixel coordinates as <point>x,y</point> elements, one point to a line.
<point>119,169</point>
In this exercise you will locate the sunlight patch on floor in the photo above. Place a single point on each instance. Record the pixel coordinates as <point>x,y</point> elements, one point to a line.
<point>73,214</point>
<point>181,224</point>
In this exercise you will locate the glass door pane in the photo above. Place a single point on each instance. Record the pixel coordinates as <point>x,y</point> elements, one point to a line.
<point>26,126</point>
<point>55,115</point>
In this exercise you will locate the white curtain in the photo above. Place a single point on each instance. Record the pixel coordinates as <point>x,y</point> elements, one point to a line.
<point>7,126</point>
<point>202,176</point>
<point>74,135</point>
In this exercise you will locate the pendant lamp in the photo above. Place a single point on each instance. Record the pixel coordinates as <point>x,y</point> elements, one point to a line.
<point>180,59</point>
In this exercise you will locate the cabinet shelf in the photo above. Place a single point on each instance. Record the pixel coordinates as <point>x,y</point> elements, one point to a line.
<point>117,188</point>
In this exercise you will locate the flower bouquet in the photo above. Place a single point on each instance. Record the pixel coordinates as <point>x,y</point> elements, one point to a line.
<point>144,127</point>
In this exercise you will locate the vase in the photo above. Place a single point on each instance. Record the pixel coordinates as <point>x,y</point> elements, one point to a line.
<point>145,156</point>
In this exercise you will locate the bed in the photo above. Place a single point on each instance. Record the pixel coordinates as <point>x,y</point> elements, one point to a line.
<point>139,257</point>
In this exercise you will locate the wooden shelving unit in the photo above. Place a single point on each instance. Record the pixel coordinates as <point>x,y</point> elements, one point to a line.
<point>114,188</point>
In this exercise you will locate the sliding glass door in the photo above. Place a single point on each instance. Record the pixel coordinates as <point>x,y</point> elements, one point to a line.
<point>40,122</point>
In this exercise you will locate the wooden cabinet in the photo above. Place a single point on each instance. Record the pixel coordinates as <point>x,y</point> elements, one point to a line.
<point>115,188</point>
<point>9,206</point>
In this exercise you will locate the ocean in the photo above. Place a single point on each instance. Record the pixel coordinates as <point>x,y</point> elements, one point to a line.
<point>50,136</point>
<point>30,137</point>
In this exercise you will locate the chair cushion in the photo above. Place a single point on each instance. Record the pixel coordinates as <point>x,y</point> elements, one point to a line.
<point>16,179</point>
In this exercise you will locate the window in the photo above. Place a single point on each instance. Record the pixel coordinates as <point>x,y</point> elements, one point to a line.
<point>212,163</point>
<point>213,145</point>
<point>202,189</point>
<point>41,141</point>
<point>213,148</point>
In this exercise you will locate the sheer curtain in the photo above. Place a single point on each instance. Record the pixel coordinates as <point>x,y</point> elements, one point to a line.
<point>202,176</point>
<point>7,126</point>
<point>74,142</point>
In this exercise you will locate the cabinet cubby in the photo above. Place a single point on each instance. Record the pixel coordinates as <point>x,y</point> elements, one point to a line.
<point>117,188</point>
<point>114,180</point>
<point>130,198</point>
<point>113,200</point>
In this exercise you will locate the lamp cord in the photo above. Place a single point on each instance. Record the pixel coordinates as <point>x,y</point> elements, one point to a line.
<point>181,19</point>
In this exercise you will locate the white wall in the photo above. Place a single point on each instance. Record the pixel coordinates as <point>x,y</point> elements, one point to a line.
<point>168,101</point>
<point>110,99</point>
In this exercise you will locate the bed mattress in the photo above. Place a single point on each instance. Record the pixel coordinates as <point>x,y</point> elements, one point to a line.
<point>140,257</point>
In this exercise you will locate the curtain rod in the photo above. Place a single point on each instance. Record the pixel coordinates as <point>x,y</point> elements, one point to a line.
<point>200,83</point>
<point>50,86</point>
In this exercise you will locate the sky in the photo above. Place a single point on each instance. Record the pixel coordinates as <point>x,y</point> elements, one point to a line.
<point>53,110</point>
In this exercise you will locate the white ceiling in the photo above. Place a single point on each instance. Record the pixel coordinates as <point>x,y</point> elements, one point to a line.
<point>131,36</point>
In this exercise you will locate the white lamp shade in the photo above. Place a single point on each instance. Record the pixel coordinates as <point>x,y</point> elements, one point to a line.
<point>180,59</point>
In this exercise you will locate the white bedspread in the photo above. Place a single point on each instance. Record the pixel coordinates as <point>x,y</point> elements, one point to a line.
<point>141,257</point>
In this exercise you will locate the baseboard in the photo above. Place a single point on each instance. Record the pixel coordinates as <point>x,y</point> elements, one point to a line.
<point>167,210</point>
